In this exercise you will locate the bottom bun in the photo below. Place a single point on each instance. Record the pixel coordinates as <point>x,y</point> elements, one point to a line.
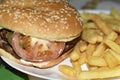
<point>46,64</point>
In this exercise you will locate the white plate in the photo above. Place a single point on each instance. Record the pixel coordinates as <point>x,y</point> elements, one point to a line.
<point>50,73</point>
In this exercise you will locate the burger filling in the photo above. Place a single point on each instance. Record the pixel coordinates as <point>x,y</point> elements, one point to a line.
<point>32,49</point>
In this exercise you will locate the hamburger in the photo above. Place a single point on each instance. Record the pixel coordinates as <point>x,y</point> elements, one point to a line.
<point>38,33</point>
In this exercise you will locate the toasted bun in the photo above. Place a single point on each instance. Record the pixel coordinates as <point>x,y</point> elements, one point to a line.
<point>54,20</point>
<point>46,64</point>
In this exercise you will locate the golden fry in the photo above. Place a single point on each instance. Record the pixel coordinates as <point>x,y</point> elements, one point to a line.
<point>67,70</point>
<point>82,59</point>
<point>99,74</point>
<point>118,40</point>
<point>76,66</point>
<point>99,50</point>
<point>75,54</point>
<point>101,68</point>
<point>93,68</point>
<point>96,61</point>
<point>116,55</point>
<point>110,59</point>
<point>113,45</point>
<point>86,16</point>
<point>89,25</point>
<point>92,36</point>
<point>101,25</point>
<point>101,47</point>
<point>112,36</point>
<point>113,24</point>
<point>105,16</point>
<point>90,49</point>
<point>83,46</point>
<point>115,13</point>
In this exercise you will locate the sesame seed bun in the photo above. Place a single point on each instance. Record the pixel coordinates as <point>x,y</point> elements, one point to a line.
<point>54,20</point>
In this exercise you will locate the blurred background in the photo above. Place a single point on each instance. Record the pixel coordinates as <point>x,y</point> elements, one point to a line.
<point>96,4</point>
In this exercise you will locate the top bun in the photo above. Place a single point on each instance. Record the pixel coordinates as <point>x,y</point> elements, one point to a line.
<point>54,20</point>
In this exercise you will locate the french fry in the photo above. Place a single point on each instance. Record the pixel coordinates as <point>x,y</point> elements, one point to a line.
<point>101,47</point>
<point>79,47</point>
<point>75,54</point>
<point>112,36</point>
<point>113,45</point>
<point>110,59</point>
<point>99,74</point>
<point>83,46</point>
<point>92,36</point>
<point>90,25</point>
<point>115,13</point>
<point>116,55</point>
<point>99,50</point>
<point>76,65</point>
<point>96,61</point>
<point>83,58</point>
<point>90,49</point>
<point>101,68</point>
<point>102,25</point>
<point>118,40</point>
<point>67,70</point>
<point>93,68</point>
<point>105,16</point>
<point>113,24</point>
<point>86,16</point>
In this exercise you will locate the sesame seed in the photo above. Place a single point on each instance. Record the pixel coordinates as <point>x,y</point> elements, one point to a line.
<point>20,10</point>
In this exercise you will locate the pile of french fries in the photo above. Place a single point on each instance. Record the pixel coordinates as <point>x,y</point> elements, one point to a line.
<point>98,48</point>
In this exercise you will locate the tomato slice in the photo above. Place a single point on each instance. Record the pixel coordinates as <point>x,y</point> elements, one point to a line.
<point>37,52</point>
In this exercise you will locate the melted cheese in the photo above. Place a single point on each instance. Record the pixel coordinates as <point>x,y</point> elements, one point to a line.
<point>40,41</point>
